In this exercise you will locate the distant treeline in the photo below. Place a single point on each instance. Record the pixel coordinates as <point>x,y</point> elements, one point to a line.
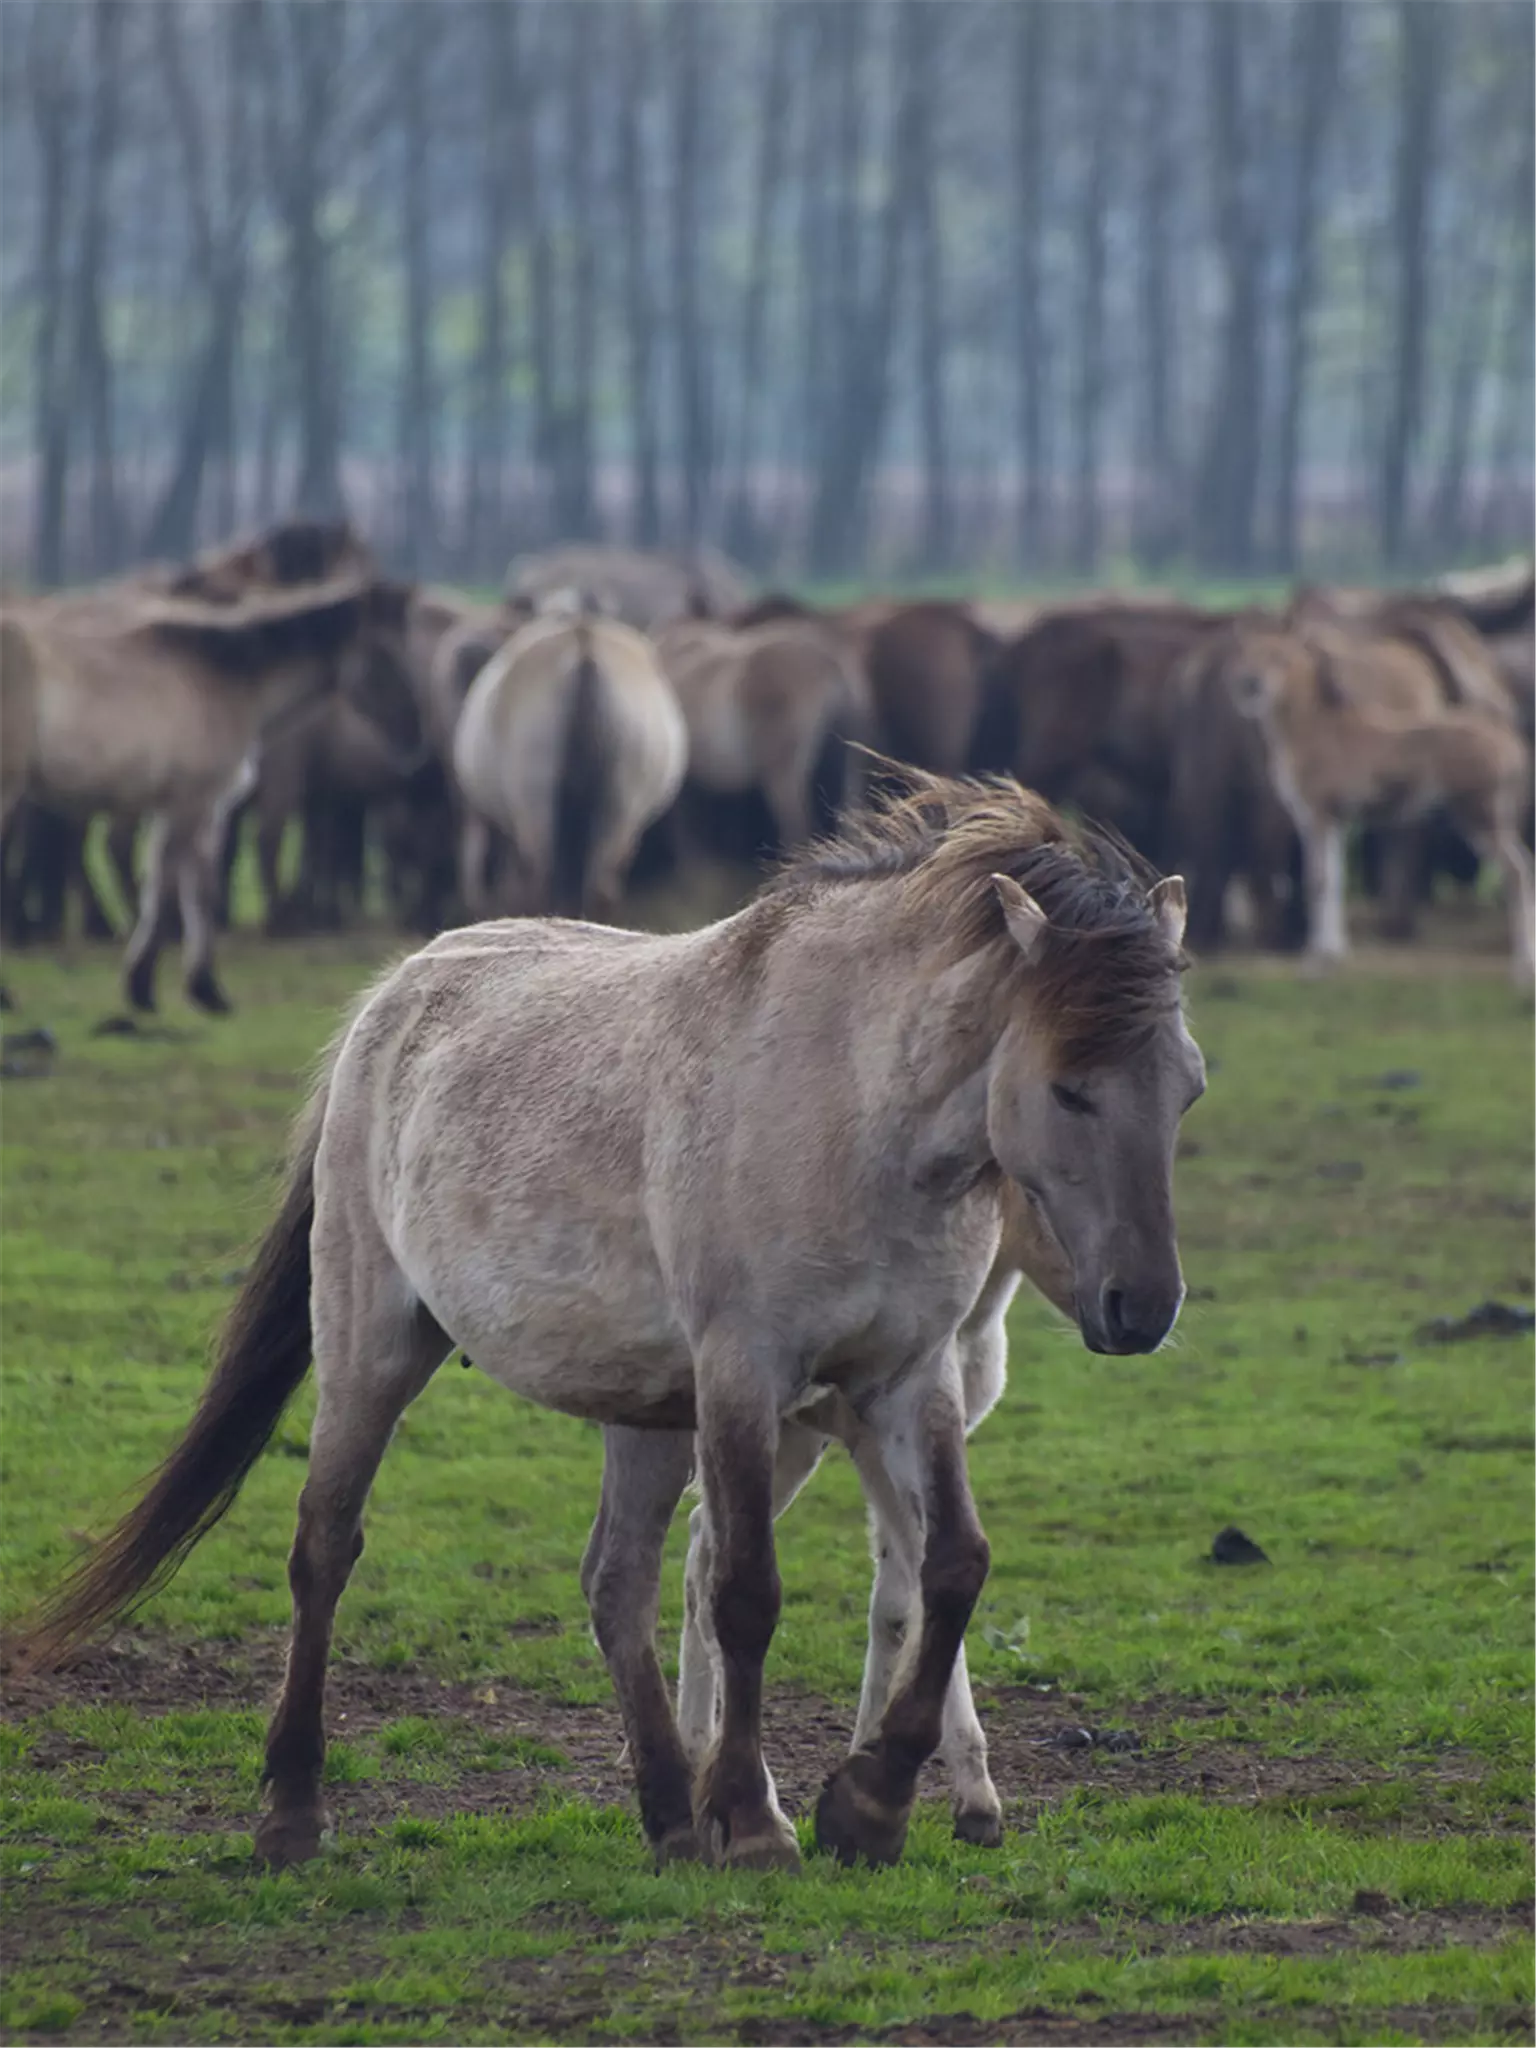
<point>912,286</point>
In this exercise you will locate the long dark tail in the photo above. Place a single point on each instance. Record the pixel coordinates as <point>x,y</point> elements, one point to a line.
<point>263,1355</point>
<point>582,790</point>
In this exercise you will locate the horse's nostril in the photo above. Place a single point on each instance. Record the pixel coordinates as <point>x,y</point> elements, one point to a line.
<point>1114,1313</point>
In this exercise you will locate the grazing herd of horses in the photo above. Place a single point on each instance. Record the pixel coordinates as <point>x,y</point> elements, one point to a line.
<point>617,711</point>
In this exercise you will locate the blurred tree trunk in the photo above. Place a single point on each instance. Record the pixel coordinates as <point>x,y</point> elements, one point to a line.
<point>1032,24</point>
<point>303,48</point>
<point>938,539</point>
<point>50,34</point>
<point>1420,40</point>
<point>217,223</point>
<point>1314,71</point>
<point>1159,49</point>
<point>92,359</point>
<point>1096,68</point>
<point>685,27</point>
<point>639,303</point>
<point>1227,488</point>
<point>742,537</point>
<point>415,34</point>
<point>485,469</point>
<point>864,319</point>
<point>575,497</point>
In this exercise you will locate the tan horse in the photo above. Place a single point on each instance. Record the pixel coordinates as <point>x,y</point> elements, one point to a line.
<point>141,704</point>
<point>700,1184</point>
<point>1029,1250</point>
<point>1349,733</point>
<point>643,588</point>
<point>765,705</point>
<point>570,743</point>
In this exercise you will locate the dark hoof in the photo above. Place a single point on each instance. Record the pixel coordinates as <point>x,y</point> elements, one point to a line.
<point>766,1844</point>
<point>283,1839</point>
<point>980,1827</point>
<point>855,1818</point>
<point>679,1845</point>
<point>203,990</point>
<point>140,986</point>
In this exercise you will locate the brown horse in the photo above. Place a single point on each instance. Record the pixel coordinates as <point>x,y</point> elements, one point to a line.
<point>700,1184</point>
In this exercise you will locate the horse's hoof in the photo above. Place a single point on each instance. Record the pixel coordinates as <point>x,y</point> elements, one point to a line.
<point>203,990</point>
<point>679,1845</point>
<point>283,1839</point>
<point>771,1848</point>
<point>854,1819</point>
<point>140,989</point>
<point>980,1826</point>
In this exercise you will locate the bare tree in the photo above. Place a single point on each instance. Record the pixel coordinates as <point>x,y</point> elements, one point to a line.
<point>51,95</point>
<point>1031,52</point>
<point>417,28</point>
<point>218,211</point>
<point>1159,46</point>
<point>684,32</point>
<point>1420,33</point>
<point>302,52</point>
<point>1315,68</point>
<point>632,172</point>
<point>1097,83</point>
<point>927,96</point>
<point>496,42</point>
<point>92,361</point>
<point>741,530</point>
<point>1227,487</point>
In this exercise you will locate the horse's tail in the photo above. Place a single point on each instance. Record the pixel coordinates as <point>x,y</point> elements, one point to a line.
<point>263,1355</point>
<point>581,792</point>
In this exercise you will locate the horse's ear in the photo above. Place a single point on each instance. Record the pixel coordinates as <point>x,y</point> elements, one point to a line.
<point>1025,920</point>
<point>1170,906</point>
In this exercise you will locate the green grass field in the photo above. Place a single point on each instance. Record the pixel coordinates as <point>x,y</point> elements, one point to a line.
<point>1321,1830</point>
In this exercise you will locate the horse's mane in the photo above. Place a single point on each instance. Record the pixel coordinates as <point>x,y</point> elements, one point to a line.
<point>294,551</point>
<point>264,629</point>
<point>1106,974</point>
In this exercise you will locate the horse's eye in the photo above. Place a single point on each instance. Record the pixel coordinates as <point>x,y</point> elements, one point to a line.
<point>1072,1099</point>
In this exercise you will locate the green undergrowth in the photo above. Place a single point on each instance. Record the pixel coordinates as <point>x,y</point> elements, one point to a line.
<point>1360,1165</point>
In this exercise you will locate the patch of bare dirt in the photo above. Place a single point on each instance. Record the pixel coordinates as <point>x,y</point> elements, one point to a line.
<point>1040,1750</point>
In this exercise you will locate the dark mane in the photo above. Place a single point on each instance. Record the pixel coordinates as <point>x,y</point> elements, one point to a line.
<point>1106,975</point>
<point>250,639</point>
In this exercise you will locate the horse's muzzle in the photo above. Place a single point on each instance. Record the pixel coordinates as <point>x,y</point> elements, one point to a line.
<point>1125,1321</point>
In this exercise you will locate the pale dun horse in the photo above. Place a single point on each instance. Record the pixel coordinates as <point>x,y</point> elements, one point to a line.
<point>571,743</point>
<point>1337,754</point>
<point>708,1184</point>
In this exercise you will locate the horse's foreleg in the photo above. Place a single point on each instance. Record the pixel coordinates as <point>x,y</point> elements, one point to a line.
<point>144,945</point>
<point>1501,845</point>
<point>370,1367</point>
<point>867,1802</point>
<point>1322,843</point>
<point>738,1432</point>
<point>698,1664</point>
<point>644,1473</point>
<point>197,885</point>
<point>894,1611</point>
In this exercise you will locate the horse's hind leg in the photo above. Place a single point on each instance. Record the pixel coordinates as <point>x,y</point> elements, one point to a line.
<point>867,1802</point>
<point>144,945</point>
<point>374,1352</point>
<point>197,883</point>
<point>644,1473</point>
<point>895,1610</point>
